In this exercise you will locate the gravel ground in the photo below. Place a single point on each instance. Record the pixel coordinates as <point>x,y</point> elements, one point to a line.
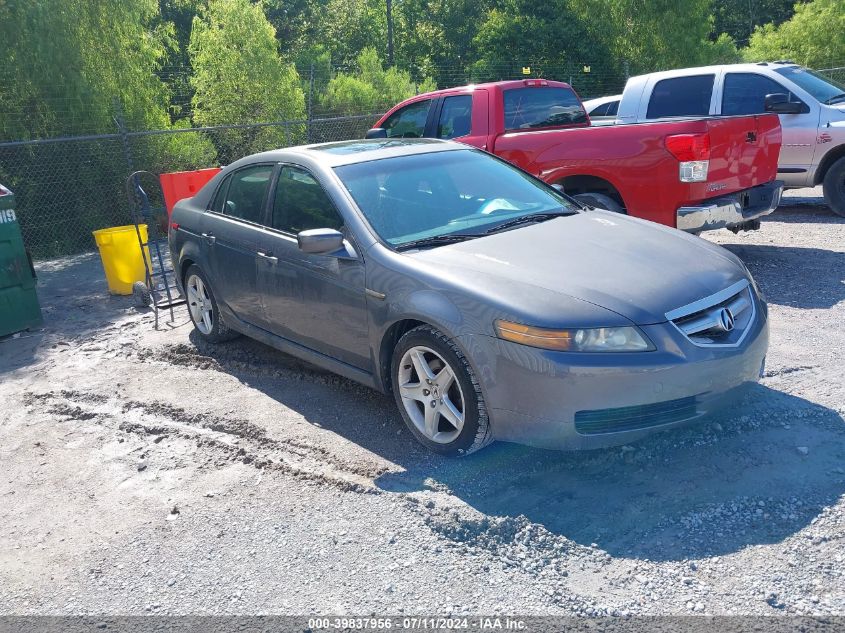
<point>143,472</point>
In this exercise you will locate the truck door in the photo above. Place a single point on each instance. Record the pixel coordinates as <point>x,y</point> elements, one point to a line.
<point>463,118</point>
<point>745,93</point>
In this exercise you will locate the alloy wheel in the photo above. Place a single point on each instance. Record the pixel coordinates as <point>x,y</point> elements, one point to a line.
<point>199,303</point>
<point>431,394</point>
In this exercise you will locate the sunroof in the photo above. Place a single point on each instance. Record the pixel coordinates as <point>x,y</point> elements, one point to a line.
<point>370,145</point>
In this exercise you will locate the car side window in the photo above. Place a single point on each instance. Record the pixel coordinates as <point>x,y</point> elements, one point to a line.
<point>612,108</point>
<point>745,93</point>
<point>681,96</point>
<point>600,110</point>
<point>245,193</point>
<point>455,117</point>
<point>409,122</point>
<point>220,196</point>
<point>300,203</point>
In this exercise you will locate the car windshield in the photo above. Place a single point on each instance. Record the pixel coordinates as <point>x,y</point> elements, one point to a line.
<point>822,88</point>
<point>421,196</point>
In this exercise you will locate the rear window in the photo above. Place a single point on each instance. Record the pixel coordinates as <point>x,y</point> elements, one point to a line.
<point>527,108</point>
<point>681,96</point>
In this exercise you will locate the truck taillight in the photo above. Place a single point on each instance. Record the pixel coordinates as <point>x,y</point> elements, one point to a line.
<point>693,152</point>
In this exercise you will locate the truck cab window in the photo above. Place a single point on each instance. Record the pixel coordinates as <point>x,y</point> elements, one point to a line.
<point>527,108</point>
<point>409,122</point>
<point>745,93</point>
<point>455,117</point>
<point>681,96</point>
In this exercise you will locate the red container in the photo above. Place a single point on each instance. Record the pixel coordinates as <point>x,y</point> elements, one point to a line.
<point>184,184</point>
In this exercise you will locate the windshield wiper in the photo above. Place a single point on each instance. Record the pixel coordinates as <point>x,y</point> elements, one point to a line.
<point>531,218</point>
<point>835,98</point>
<point>438,240</point>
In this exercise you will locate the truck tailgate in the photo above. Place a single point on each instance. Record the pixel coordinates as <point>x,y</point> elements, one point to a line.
<point>743,153</point>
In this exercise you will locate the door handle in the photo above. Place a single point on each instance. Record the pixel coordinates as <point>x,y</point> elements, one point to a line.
<point>209,237</point>
<point>268,257</point>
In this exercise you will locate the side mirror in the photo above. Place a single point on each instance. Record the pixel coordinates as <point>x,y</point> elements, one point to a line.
<point>779,103</point>
<point>320,241</point>
<point>376,132</point>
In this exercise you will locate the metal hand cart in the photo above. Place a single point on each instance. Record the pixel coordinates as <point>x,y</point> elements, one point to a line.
<point>160,291</point>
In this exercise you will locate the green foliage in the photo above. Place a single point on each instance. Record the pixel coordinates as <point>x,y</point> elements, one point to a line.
<point>739,19</point>
<point>814,36</point>
<point>371,88</point>
<point>66,62</point>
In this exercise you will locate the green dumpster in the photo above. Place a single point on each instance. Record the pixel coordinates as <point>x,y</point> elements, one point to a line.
<point>19,309</point>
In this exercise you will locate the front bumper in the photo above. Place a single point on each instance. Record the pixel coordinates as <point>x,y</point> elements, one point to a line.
<point>733,210</point>
<point>582,401</point>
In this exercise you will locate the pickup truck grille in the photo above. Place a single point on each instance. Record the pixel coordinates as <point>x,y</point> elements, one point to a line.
<point>722,319</point>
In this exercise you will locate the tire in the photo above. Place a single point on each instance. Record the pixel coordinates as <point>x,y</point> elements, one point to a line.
<point>834,187</point>
<point>202,307</point>
<point>600,201</point>
<point>458,424</point>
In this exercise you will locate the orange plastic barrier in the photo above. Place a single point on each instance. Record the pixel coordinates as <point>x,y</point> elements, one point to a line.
<point>184,184</point>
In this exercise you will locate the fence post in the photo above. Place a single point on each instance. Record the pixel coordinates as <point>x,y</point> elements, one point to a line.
<point>310,103</point>
<point>124,137</point>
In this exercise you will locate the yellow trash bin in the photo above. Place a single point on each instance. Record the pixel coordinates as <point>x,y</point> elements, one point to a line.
<point>121,255</point>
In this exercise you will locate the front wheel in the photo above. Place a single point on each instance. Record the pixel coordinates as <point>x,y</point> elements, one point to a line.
<point>834,187</point>
<point>202,306</point>
<point>438,394</point>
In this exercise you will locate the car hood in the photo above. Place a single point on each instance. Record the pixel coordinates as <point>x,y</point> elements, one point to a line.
<point>638,269</point>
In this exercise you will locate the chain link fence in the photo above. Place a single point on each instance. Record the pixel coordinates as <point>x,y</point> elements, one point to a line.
<point>65,188</point>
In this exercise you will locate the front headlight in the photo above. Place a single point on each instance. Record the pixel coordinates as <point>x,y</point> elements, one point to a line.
<point>601,339</point>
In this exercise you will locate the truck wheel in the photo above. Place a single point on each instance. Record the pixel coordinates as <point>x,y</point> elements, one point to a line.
<point>600,201</point>
<point>834,187</point>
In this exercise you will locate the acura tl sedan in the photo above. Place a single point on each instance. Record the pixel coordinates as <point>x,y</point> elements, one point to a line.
<point>490,305</point>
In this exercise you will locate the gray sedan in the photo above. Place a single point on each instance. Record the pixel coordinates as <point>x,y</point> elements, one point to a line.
<point>488,304</point>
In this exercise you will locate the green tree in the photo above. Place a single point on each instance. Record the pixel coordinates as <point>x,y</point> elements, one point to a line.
<point>814,36</point>
<point>550,38</point>
<point>371,88</point>
<point>652,35</point>
<point>739,19</point>
<point>239,77</point>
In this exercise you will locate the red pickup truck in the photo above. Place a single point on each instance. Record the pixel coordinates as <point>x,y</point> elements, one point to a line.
<point>693,174</point>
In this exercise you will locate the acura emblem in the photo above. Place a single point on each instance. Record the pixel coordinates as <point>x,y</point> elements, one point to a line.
<point>726,320</point>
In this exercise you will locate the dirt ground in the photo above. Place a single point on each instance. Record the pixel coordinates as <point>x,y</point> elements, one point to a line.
<point>143,472</point>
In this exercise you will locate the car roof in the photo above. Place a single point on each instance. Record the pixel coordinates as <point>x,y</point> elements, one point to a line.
<point>601,100</point>
<point>356,151</point>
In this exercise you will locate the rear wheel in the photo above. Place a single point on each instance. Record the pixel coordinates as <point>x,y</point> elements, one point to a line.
<point>834,187</point>
<point>600,201</point>
<point>438,394</point>
<point>202,306</point>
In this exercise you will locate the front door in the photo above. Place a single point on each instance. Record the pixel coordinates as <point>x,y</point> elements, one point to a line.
<point>745,93</point>
<point>231,230</point>
<point>315,300</point>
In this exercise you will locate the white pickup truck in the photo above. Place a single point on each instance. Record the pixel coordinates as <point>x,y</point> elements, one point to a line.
<point>811,109</point>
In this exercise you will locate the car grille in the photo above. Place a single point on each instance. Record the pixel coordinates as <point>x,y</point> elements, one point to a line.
<point>642,416</point>
<point>722,319</point>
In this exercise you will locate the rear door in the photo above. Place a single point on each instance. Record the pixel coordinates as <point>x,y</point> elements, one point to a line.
<point>231,231</point>
<point>672,97</point>
<point>315,300</point>
<point>745,93</point>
